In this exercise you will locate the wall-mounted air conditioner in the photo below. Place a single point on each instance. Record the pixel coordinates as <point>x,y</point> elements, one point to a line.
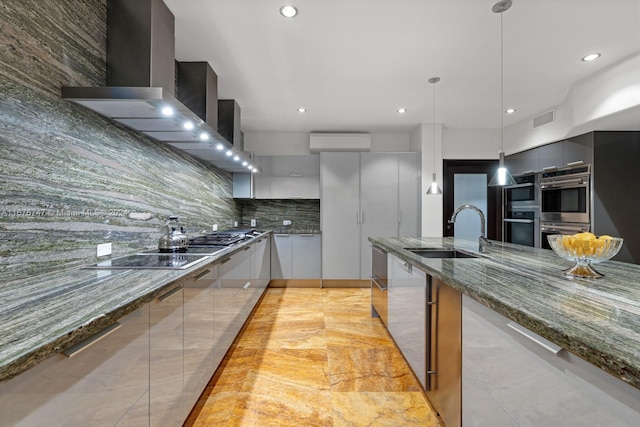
<point>339,141</point>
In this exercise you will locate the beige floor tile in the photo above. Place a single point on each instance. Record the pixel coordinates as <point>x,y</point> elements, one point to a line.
<point>381,409</point>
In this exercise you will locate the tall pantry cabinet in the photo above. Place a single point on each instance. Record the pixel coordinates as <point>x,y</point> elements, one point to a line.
<point>363,195</point>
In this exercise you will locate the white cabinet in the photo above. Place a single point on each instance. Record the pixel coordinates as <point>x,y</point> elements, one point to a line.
<point>407,312</point>
<point>166,374</point>
<point>288,177</point>
<point>296,256</point>
<point>199,291</point>
<point>97,382</point>
<point>510,380</point>
<point>306,253</point>
<point>363,195</point>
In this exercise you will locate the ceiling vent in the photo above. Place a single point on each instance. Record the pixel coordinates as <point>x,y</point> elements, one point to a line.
<point>544,119</point>
<point>329,141</point>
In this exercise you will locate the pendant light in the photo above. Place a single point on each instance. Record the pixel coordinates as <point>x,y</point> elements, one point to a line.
<point>502,176</point>
<point>434,188</point>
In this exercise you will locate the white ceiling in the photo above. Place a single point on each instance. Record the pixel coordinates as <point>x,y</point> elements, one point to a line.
<point>353,63</point>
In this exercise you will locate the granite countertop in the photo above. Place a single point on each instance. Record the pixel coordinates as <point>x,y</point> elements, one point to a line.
<point>44,315</point>
<point>596,319</point>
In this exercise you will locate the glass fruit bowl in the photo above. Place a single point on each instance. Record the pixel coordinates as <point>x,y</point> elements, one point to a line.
<point>584,249</point>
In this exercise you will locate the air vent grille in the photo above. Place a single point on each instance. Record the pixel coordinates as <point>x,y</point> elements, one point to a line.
<point>544,119</point>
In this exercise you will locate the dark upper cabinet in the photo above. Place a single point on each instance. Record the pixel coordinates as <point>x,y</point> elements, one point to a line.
<point>557,154</point>
<point>524,161</point>
<point>551,155</point>
<point>578,149</point>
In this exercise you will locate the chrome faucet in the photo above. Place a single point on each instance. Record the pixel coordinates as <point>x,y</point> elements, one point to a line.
<point>482,241</point>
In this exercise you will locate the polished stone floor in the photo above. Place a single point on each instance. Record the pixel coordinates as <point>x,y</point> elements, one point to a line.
<point>313,357</point>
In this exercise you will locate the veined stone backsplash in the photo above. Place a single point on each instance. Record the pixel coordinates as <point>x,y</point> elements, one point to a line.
<point>303,214</point>
<point>70,179</point>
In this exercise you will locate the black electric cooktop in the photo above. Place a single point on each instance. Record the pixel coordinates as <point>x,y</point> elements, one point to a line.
<point>151,261</point>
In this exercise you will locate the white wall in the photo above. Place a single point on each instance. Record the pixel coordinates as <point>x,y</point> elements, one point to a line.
<point>608,100</point>
<point>470,143</point>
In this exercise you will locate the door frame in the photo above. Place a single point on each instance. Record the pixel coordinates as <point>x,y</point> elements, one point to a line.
<point>494,194</point>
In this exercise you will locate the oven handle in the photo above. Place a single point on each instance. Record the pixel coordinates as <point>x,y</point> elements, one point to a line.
<point>567,229</point>
<point>564,182</point>
<point>520,221</point>
<point>527,184</point>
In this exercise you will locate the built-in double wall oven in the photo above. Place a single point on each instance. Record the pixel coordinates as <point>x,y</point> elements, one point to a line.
<point>565,201</point>
<point>522,214</point>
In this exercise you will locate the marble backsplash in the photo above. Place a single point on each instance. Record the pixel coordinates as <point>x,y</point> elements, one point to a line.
<point>70,179</point>
<point>304,214</point>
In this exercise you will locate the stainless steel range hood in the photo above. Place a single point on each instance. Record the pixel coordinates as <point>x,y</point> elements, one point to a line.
<point>141,79</point>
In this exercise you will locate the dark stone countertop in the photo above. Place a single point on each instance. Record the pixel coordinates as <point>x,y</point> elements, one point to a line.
<point>45,315</point>
<point>595,319</point>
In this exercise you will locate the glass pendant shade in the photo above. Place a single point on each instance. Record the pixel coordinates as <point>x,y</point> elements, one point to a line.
<point>502,176</point>
<point>434,188</point>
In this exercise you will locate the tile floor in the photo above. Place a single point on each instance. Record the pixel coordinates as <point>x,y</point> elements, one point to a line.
<point>313,357</point>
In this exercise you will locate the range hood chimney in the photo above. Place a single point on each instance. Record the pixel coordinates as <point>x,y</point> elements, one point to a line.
<point>141,86</point>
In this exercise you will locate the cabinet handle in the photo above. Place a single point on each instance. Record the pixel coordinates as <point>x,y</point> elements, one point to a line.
<point>306,235</point>
<point>282,235</point>
<point>88,342</point>
<point>246,285</point>
<point>576,163</point>
<point>358,216</point>
<point>432,338</point>
<point>247,248</point>
<point>226,260</point>
<point>375,280</point>
<point>542,342</point>
<point>362,216</point>
<point>169,294</point>
<point>296,197</point>
<point>201,275</point>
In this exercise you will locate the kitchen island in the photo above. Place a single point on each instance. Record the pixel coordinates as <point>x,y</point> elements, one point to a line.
<point>596,320</point>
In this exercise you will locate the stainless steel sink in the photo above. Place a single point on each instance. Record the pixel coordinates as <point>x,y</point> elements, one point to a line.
<point>441,253</point>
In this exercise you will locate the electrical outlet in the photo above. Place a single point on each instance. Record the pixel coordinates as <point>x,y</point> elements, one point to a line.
<point>214,227</point>
<point>286,222</point>
<point>235,223</point>
<point>253,222</point>
<point>103,249</point>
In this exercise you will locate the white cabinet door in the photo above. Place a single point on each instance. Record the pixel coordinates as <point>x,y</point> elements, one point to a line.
<point>288,166</point>
<point>340,214</point>
<point>261,264</point>
<point>166,374</point>
<point>409,195</point>
<point>407,302</point>
<point>262,179</point>
<point>281,256</point>
<point>96,386</point>
<point>298,187</point>
<point>509,379</point>
<point>378,202</point>
<point>306,253</point>
<point>198,333</point>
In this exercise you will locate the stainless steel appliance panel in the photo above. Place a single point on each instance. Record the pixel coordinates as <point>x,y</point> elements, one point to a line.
<point>524,192</point>
<point>522,226</point>
<point>566,228</point>
<point>379,283</point>
<point>565,194</point>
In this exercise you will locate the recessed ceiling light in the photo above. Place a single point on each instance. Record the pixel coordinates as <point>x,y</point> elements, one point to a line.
<point>188,125</point>
<point>204,136</point>
<point>402,110</point>
<point>236,158</point>
<point>167,111</point>
<point>510,110</point>
<point>219,147</point>
<point>302,110</point>
<point>591,57</point>
<point>229,153</point>
<point>288,11</point>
